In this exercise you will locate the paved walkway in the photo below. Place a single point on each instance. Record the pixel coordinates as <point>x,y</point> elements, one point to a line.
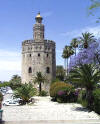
<point>45,109</point>
<point>55,122</point>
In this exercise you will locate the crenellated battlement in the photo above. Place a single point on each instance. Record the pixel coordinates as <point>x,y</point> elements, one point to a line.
<point>27,42</point>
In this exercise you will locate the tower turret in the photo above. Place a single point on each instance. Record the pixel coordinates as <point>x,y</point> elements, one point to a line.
<point>38,29</point>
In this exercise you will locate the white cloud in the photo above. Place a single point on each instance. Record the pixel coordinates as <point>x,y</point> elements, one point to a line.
<point>77,33</point>
<point>10,64</point>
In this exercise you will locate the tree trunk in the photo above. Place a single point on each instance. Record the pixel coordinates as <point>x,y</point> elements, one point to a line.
<point>75,51</point>
<point>40,88</point>
<point>89,98</point>
<point>67,66</point>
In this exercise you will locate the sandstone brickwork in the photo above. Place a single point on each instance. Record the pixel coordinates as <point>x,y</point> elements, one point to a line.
<point>38,55</point>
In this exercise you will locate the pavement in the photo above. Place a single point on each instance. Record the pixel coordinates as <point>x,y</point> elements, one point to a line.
<point>44,111</point>
<point>55,122</point>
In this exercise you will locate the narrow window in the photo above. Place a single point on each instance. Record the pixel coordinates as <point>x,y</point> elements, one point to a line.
<point>47,55</point>
<point>38,54</point>
<point>30,70</point>
<point>48,70</point>
<point>30,55</point>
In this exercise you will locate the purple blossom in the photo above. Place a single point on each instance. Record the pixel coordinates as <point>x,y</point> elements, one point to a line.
<point>86,56</point>
<point>60,93</point>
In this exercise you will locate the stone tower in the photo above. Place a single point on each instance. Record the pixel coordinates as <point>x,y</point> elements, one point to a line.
<point>38,55</point>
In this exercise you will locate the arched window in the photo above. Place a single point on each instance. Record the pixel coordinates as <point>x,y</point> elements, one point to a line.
<point>48,70</point>
<point>38,54</point>
<point>30,55</point>
<point>47,55</point>
<point>30,70</point>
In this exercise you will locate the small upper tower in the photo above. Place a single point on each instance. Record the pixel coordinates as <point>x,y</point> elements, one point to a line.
<point>38,29</point>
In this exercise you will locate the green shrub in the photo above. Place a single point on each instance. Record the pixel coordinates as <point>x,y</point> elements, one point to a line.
<point>62,92</point>
<point>1,97</point>
<point>57,86</point>
<point>96,101</point>
<point>43,93</point>
<point>25,92</point>
<point>82,98</point>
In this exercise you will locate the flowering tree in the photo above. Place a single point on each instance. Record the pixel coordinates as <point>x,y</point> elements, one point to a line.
<point>84,69</point>
<point>89,55</point>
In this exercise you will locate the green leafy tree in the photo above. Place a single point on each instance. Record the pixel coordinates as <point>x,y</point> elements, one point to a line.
<point>60,73</point>
<point>15,82</point>
<point>25,92</point>
<point>1,99</point>
<point>86,39</point>
<point>86,76</point>
<point>4,84</point>
<point>74,43</point>
<point>40,79</point>
<point>95,5</point>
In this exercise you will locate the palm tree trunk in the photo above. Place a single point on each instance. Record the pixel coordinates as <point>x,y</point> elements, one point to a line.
<point>89,98</point>
<point>67,66</point>
<point>40,88</point>
<point>75,51</point>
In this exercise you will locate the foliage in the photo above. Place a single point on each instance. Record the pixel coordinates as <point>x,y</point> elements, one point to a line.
<point>39,79</point>
<point>1,99</point>
<point>4,84</point>
<point>82,98</point>
<point>74,43</point>
<point>25,92</point>
<point>1,96</point>
<point>86,76</point>
<point>96,100</point>
<point>55,80</point>
<point>86,39</point>
<point>67,52</point>
<point>60,73</point>
<point>43,93</point>
<point>15,82</point>
<point>95,4</point>
<point>55,87</point>
<point>63,92</point>
<point>86,56</point>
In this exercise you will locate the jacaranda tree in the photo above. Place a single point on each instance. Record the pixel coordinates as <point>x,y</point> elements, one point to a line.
<point>84,69</point>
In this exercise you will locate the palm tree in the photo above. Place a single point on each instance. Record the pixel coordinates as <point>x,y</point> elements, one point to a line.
<point>25,92</point>
<point>86,76</point>
<point>86,39</point>
<point>74,44</point>
<point>67,52</point>
<point>39,79</point>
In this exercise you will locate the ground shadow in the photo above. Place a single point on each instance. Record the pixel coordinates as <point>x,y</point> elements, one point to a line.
<point>81,109</point>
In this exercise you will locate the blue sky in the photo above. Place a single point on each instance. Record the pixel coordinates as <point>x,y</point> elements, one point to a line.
<point>63,19</point>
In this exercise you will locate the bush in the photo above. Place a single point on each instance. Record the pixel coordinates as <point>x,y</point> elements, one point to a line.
<point>25,92</point>
<point>43,93</point>
<point>1,98</point>
<point>62,92</point>
<point>96,101</point>
<point>82,98</point>
<point>55,87</point>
